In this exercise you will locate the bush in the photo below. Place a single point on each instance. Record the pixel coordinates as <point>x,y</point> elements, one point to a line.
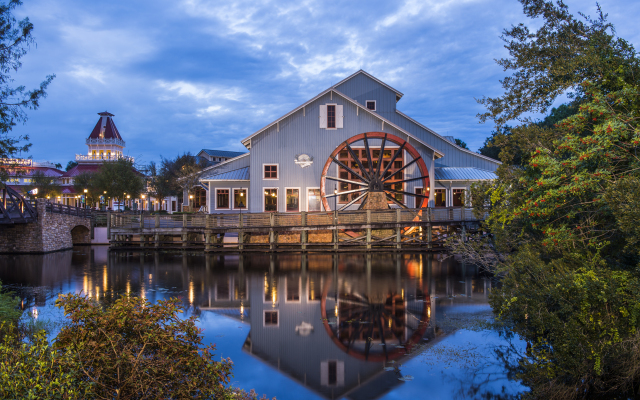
<point>135,349</point>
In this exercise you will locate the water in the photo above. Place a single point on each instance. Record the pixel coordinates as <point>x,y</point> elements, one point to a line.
<point>317,326</point>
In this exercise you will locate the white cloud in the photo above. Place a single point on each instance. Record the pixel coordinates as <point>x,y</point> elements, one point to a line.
<point>421,10</point>
<point>201,91</point>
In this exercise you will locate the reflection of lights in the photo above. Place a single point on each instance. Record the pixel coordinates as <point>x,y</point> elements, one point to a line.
<point>150,278</point>
<point>429,312</point>
<point>336,310</point>
<point>85,285</point>
<point>191,292</point>
<point>34,312</point>
<point>241,310</point>
<point>402,294</point>
<point>104,279</point>
<point>97,292</point>
<point>274,296</point>
<point>389,322</point>
<point>128,286</point>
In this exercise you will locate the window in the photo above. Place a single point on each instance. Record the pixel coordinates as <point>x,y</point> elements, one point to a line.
<point>371,105</point>
<point>271,171</point>
<point>331,116</point>
<point>458,197</point>
<point>271,200</point>
<point>222,198</point>
<point>293,205</point>
<point>239,199</point>
<point>313,198</point>
<point>314,288</point>
<point>419,200</point>
<point>271,318</point>
<point>293,289</point>
<point>441,198</point>
<point>333,372</point>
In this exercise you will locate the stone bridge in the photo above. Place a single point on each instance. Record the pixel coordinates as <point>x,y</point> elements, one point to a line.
<point>52,231</point>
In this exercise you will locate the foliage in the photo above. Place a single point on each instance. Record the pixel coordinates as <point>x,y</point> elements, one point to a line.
<point>160,184</point>
<point>9,311</point>
<point>119,178</point>
<point>88,181</point>
<point>177,175</point>
<point>461,143</point>
<point>563,212</point>
<point>70,165</point>
<point>47,185</point>
<point>15,39</point>
<point>555,59</point>
<point>135,349</point>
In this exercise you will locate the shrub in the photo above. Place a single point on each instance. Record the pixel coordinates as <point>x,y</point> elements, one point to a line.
<point>134,349</point>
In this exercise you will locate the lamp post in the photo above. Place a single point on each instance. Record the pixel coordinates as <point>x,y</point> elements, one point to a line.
<point>142,202</point>
<point>335,199</point>
<point>85,198</point>
<point>241,202</point>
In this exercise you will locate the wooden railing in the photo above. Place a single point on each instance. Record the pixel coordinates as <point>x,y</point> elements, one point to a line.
<point>305,220</point>
<point>57,208</point>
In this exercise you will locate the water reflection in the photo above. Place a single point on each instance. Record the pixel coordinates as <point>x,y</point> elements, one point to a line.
<point>337,324</point>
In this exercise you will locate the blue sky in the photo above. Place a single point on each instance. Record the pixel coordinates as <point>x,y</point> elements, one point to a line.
<point>183,75</point>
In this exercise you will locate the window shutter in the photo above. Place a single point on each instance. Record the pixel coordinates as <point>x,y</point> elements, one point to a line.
<point>340,371</point>
<point>324,365</point>
<point>339,117</point>
<point>323,116</point>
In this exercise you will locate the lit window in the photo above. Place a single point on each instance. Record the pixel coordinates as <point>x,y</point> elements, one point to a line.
<point>440,198</point>
<point>239,198</point>
<point>458,197</point>
<point>271,200</point>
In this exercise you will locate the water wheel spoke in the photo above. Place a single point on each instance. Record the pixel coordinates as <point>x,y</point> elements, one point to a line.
<point>368,151</point>
<point>415,160</point>
<point>408,193</point>
<point>363,202</point>
<point>346,181</point>
<point>354,200</point>
<point>382,338</point>
<point>343,165</point>
<point>384,140</point>
<point>395,155</point>
<point>347,192</point>
<point>393,199</point>
<point>357,159</point>
<point>412,179</point>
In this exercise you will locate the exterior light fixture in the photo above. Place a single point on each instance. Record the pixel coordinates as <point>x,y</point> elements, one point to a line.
<point>142,196</point>
<point>105,192</point>
<point>85,190</point>
<point>190,196</point>
<point>128,196</point>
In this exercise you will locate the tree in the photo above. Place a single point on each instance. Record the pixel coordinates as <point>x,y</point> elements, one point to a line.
<point>47,185</point>
<point>160,184</point>
<point>563,211</point>
<point>70,165</point>
<point>462,144</point>
<point>15,39</point>
<point>136,349</point>
<point>188,169</point>
<point>119,178</point>
<point>87,181</point>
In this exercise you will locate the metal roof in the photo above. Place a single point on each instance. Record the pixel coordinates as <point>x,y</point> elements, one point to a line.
<point>222,153</point>
<point>463,174</point>
<point>397,92</point>
<point>438,153</point>
<point>241,174</point>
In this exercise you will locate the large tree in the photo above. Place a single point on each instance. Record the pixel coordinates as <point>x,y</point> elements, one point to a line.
<point>563,211</point>
<point>120,179</point>
<point>15,39</point>
<point>47,185</point>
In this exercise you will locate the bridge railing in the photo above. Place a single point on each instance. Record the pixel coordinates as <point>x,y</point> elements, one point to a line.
<point>57,208</point>
<point>317,219</point>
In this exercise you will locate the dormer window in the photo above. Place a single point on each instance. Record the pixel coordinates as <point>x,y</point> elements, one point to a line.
<point>371,105</point>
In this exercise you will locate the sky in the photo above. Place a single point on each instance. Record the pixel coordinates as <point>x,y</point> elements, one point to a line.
<point>183,75</point>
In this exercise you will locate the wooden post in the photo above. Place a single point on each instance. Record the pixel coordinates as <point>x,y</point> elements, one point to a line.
<point>157,224</point>
<point>157,240</point>
<point>207,242</point>
<point>368,229</point>
<point>184,220</point>
<point>142,240</point>
<point>271,232</point>
<point>336,238</point>
<point>303,233</point>
<point>398,229</point>
<point>141,222</point>
<point>109,225</point>
<point>240,234</point>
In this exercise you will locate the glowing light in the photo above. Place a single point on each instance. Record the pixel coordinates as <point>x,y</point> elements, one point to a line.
<point>336,310</point>
<point>34,312</point>
<point>191,292</point>
<point>389,323</point>
<point>402,294</point>
<point>128,287</point>
<point>104,279</point>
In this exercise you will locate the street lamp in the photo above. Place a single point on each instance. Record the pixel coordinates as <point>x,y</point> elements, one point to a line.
<point>335,199</point>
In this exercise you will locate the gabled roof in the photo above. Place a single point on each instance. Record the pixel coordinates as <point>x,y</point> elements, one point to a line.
<point>240,174</point>
<point>225,162</point>
<point>438,153</point>
<point>81,168</point>
<point>463,174</point>
<point>222,153</point>
<point>110,130</point>
<point>397,92</point>
<point>444,138</point>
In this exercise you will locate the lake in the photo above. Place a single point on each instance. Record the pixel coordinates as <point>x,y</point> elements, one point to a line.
<point>304,326</point>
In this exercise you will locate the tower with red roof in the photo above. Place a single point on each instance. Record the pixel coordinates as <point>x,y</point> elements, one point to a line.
<point>104,142</point>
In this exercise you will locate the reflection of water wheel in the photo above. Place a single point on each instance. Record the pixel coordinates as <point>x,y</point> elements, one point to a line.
<point>376,330</point>
<point>368,174</point>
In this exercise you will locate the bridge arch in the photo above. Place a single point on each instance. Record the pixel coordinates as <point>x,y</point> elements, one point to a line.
<point>80,234</point>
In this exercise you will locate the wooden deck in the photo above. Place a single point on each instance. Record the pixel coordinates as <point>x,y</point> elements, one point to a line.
<point>370,230</point>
